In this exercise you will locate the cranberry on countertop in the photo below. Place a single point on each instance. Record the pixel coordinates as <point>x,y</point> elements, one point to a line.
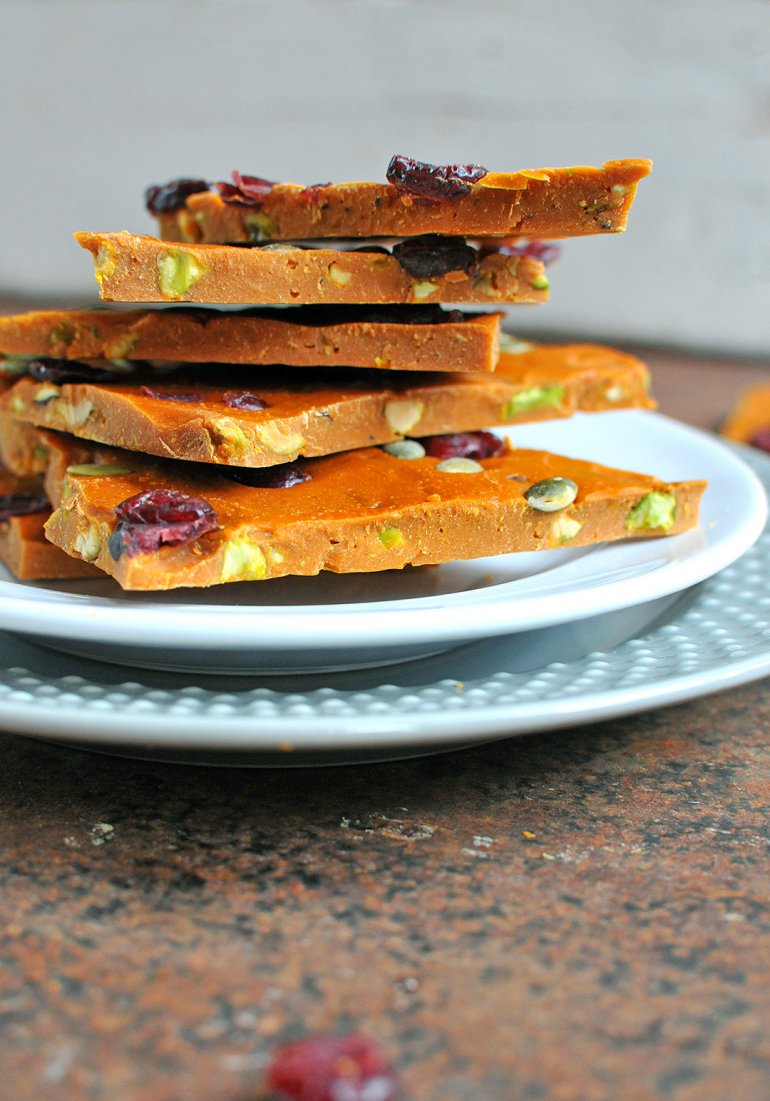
<point>331,1068</point>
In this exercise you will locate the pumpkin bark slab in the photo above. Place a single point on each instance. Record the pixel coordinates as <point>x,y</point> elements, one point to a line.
<point>24,550</point>
<point>361,511</point>
<point>129,268</point>
<point>392,337</point>
<point>750,417</point>
<point>544,202</point>
<point>314,417</point>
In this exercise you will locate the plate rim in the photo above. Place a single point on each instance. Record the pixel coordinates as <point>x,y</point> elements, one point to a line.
<point>726,604</point>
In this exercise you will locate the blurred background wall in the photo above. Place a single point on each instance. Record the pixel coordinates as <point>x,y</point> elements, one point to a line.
<point>102,97</point>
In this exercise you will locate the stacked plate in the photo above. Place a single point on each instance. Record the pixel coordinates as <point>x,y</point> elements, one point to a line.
<point>336,668</point>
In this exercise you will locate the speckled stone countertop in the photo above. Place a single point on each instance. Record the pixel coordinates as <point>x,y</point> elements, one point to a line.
<point>578,916</point>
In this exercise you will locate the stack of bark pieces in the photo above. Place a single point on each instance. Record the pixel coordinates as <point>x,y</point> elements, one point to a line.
<point>190,446</point>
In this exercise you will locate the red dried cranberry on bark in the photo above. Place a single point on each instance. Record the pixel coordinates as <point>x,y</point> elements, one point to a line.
<point>465,445</point>
<point>159,518</point>
<point>269,477</point>
<point>430,255</point>
<point>247,190</point>
<point>22,504</point>
<point>60,372</point>
<point>312,193</point>
<point>761,439</point>
<point>544,251</point>
<point>187,396</point>
<point>241,399</point>
<point>331,1068</point>
<point>433,182</point>
<point>165,198</point>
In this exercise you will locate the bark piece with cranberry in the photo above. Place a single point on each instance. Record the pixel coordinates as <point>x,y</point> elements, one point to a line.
<point>400,338</point>
<point>532,203</point>
<point>283,422</point>
<point>749,420</point>
<point>362,511</point>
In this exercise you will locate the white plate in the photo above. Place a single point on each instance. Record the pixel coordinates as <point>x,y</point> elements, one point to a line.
<point>710,637</point>
<point>363,620</point>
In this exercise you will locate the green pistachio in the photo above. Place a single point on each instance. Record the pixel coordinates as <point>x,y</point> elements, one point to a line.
<point>177,272</point>
<point>536,397</point>
<point>226,430</point>
<point>45,393</point>
<point>61,333</point>
<point>261,226</point>
<point>278,441</point>
<point>88,543</point>
<point>423,289</point>
<point>615,393</point>
<point>392,538</point>
<point>564,529</point>
<point>121,347</point>
<point>243,560</point>
<point>403,416</point>
<point>654,512</point>
<point>540,283</point>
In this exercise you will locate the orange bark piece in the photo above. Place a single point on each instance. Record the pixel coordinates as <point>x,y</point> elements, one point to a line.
<point>129,268</point>
<point>24,550</point>
<point>362,511</point>
<point>303,338</point>
<point>545,202</point>
<point>321,417</point>
<point>749,416</point>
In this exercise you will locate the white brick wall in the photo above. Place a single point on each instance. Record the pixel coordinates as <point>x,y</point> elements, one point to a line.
<point>101,97</point>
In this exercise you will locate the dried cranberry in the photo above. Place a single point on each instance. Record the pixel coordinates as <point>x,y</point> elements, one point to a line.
<point>430,255</point>
<point>312,193</point>
<point>761,439</point>
<point>433,182</point>
<point>544,251</point>
<point>466,445</point>
<point>247,190</point>
<point>159,518</point>
<point>22,504</point>
<point>187,396</point>
<point>331,1068</point>
<point>60,372</point>
<point>269,477</point>
<point>241,399</point>
<point>165,198</point>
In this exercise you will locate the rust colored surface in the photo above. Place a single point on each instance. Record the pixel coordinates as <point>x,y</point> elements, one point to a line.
<point>578,916</point>
<point>574,916</point>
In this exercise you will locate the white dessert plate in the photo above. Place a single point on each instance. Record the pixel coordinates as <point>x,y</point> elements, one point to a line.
<point>336,622</point>
<point>713,636</point>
